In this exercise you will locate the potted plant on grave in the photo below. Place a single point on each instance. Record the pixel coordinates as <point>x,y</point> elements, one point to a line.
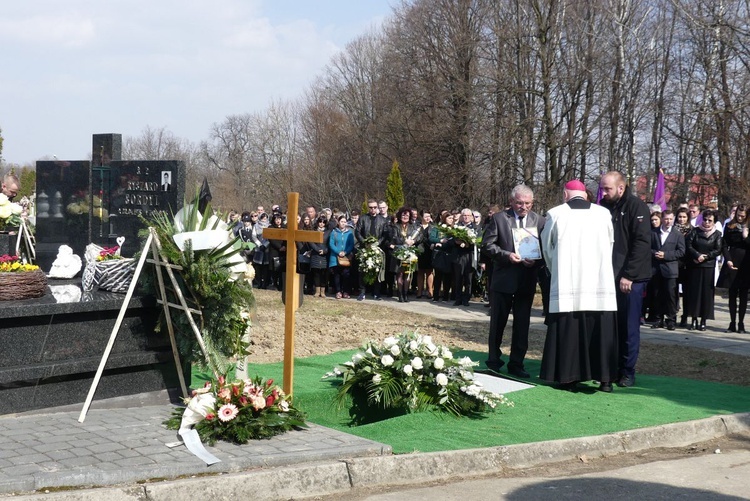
<point>20,280</point>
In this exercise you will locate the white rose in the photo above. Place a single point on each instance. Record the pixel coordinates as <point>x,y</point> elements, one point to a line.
<point>416,363</point>
<point>16,209</point>
<point>466,362</point>
<point>395,350</point>
<point>376,379</point>
<point>427,339</point>
<point>408,370</point>
<point>431,349</point>
<point>441,379</point>
<point>386,360</point>
<point>389,341</point>
<point>439,363</point>
<point>413,345</point>
<point>446,353</point>
<point>5,211</point>
<point>3,199</point>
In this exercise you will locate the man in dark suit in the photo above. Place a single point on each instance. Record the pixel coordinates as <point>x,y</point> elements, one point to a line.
<point>513,279</point>
<point>370,224</point>
<point>667,247</point>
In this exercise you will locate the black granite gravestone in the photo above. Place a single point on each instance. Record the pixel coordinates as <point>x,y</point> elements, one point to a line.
<point>80,202</point>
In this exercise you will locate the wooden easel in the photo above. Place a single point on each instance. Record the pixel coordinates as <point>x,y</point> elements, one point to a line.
<point>154,244</point>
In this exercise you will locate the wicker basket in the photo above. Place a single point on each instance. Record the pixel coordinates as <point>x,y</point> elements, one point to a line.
<point>114,275</point>
<point>22,285</point>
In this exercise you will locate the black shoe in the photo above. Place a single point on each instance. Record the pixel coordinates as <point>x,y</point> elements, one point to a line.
<point>658,325</point>
<point>400,299</point>
<point>376,298</point>
<point>436,300</point>
<point>605,387</point>
<point>670,325</point>
<point>571,386</point>
<point>741,328</point>
<point>693,325</point>
<point>683,323</point>
<point>493,368</point>
<point>457,303</point>
<point>702,326</point>
<point>518,372</point>
<point>465,302</point>
<point>626,381</point>
<point>361,297</point>
<point>732,327</point>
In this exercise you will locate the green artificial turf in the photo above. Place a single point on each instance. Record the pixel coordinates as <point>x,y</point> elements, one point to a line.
<point>539,413</point>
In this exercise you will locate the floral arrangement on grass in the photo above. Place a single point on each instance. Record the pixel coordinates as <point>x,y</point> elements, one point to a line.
<point>409,256</point>
<point>10,213</point>
<point>11,264</point>
<point>410,373</point>
<point>371,260</point>
<point>109,253</point>
<point>460,233</point>
<point>239,411</point>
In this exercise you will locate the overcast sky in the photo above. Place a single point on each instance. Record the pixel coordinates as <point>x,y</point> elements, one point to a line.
<point>73,68</point>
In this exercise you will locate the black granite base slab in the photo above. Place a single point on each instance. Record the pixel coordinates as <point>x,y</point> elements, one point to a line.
<point>51,347</point>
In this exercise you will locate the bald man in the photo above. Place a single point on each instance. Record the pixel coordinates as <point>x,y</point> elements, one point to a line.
<point>631,260</point>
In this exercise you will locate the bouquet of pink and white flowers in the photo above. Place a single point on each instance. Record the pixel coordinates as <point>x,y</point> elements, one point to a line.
<point>239,411</point>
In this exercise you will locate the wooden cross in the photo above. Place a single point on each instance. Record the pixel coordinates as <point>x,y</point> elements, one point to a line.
<point>292,235</point>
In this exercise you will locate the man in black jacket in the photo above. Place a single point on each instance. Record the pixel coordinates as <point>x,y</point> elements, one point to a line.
<point>370,224</point>
<point>631,261</point>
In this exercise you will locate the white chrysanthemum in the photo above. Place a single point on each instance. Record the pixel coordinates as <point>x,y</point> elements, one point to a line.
<point>441,379</point>
<point>395,350</point>
<point>386,360</point>
<point>439,363</point>
<point>416,363</point>
<point>376,379</point>
<point>408,370</point>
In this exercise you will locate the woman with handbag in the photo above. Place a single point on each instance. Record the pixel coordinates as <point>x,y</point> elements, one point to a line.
<point>341,251</point>
<point>319,258</point>
<point>402,235</point>
<point>442,257</point>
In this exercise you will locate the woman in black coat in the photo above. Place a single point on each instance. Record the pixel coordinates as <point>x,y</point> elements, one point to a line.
<point>735,274</point>
<point>703,246</point>
<point>402,234</point>
<point>319,257</point>
<point>276,252</point>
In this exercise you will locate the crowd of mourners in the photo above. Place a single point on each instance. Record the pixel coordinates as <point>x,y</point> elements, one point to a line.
<point>702,254</point>
<point>446,270</point>
<point>602,269</point>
